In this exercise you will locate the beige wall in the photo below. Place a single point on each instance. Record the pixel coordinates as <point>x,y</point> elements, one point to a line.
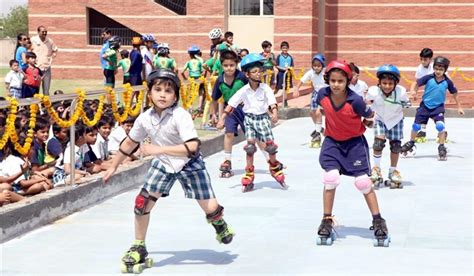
<point>250,31</point>
<point>7,48</point>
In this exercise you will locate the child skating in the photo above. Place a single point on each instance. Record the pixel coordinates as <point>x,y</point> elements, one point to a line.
<point>432,105</point>
<point>175,145</point>
<point>388,99</point>
<point>345,150</point>
<point>257,99</point>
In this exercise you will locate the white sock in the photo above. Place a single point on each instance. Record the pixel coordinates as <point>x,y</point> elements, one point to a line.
<point>318,127</point>
<point>228,155</point>
<point>392,169</point>
<point>377,160</point>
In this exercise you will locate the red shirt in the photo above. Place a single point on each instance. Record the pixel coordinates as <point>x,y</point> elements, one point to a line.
<point>32,76</point>
<point>344,122</point>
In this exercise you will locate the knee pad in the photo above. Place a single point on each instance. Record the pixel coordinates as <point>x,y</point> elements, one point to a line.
<point>331,179</point>
<point>141,202</point>
<point>363,183</point>
<point>416,127</point>
<point>395,146</point>
<point>379,144</point>
<point>440,126</point>
<point>271,148</point>
<point>216,215</point>
<point>250,149</point>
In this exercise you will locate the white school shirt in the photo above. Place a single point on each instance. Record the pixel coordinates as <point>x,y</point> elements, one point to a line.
<point>388,110</point>
<point>316,79</point>
<point>421,71</point>
<point>101,147</point>
<point>11,166</point>
<point>360,88</point>
<point>174,127</point>
<point>147,60</point>
<point>116,137</point>
<point>15,79</point>
<point>255,101</point>
<point>80,153</point>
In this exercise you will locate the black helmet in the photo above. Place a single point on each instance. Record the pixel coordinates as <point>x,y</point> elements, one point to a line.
<point>164,74</point>
<point>114,42</point>
<point>442,61</point>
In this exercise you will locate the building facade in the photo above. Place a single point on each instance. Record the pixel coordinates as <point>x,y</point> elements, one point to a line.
<point>366,32</point>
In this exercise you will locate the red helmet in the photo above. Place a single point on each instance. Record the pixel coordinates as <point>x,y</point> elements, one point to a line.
<point>335,64</point>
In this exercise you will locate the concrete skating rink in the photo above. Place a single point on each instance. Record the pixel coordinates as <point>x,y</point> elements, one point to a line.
<point>430,220</point>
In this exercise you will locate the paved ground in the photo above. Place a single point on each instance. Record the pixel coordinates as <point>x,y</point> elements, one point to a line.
<point>430,221</point>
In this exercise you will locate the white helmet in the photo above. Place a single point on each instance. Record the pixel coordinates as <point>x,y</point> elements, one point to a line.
<point>215,33</point>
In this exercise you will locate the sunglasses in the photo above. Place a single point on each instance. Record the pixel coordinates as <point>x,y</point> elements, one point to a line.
<point>23,39</point>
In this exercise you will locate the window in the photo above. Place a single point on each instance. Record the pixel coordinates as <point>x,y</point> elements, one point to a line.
<point>251,7</point>
<point>97,21</point>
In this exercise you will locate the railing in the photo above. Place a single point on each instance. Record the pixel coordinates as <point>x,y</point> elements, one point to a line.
<point>73,97</point>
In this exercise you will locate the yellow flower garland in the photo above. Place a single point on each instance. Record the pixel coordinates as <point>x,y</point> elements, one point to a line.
<point>54,115</point>
<point>126,100</point>
<point>23,150</point>
<point>10,122</point>
<point>97,115</point>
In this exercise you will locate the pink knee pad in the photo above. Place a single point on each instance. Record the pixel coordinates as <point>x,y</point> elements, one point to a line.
<point>331,179</point>
<point>363,183</point>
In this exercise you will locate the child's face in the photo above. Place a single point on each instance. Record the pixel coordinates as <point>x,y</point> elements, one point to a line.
<point>438,71</point>
<point>387,85</point>
<point>425,61</point>
<point>355,77</point>
<point>94,106</point>
<point>15,67</point>
<point>91,137</point>
<point>162,95</point>
<point>268,49</point>
<point>243,53</point>
<point>337,82</point>
<point>128,126</point>
<point>229,39</point>
<point>31,60</point>
<point>105,131</point>
<point>229,67</point>
<point>60,109</point>
<point>317,66</point>
<point>42,135</point>
<point>284,49</point>
<point>62,134</point>
<point>23,121</point>
<point>254,73</point>
<point>81,140</point>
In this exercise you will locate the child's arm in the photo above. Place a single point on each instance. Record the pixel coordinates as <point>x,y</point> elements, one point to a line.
<point>67,169</point>
<point>458,103</point>
<point>454,91</point>
<point>126,149</point>
<point>183,150</point>
<point>7,87</point>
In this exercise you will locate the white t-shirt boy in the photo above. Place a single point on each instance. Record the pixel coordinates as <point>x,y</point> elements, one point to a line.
<point>316,79</point>
<point>421,71</point>
<point>388,110</point>
<point>255,101</point>
<point>360,88</point>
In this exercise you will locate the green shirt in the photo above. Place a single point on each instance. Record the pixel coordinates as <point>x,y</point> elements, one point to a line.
<point>125,64</point>
<point>195,67</point>
<point>111,57</point>
<point>164,62</point>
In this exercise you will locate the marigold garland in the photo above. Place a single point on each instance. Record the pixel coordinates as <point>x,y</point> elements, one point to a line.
<point>97,115</point>
<point>113,98</point>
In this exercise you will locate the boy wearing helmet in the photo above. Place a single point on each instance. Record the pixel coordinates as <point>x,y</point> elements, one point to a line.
<point>345,150</point>
<point>147,55</point>
<point>432,104</point>
<point>194,65</point>
<point>388,99</point>
<point>136,62</point>
<point>110,56</point>
<point>316,75</point>
<point>257,98</point>
<point>162,59</point>
<point>175,146</point>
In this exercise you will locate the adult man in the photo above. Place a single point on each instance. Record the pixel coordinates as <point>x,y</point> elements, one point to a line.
<point>45,50</point>
<point>106,35</point>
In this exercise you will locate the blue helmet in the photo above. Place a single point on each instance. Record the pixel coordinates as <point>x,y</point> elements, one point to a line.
<point>148,37</point>
<point>251,60</point>
<point>319,58</point>
<point>389,69</point>
<point>193,49</point>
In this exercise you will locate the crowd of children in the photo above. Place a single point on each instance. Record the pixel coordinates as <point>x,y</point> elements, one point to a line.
<point>246,100</point>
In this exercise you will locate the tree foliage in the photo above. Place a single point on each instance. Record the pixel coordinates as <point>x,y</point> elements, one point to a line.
<point>15,22</point>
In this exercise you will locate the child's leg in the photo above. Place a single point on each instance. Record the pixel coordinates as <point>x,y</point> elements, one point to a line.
<point>5,186</point>
<point>440,127</point>
<point>214,215</point>
<point>144,202</point>
<point>250,149</point>
<point>331,180</point>
<point>395,148</point>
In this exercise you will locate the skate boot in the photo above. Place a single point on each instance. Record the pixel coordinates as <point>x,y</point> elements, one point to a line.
<point>226,169</point>
<point>382,238</point>
<point>394,180</point>
<point>326,232</point>
<point>276,170</point>
<point>421,137</point>
<point>223,232</point>
<point>409,148</point>
<point>247,179</point>
<point>315,139</point>
<point>135,260</point>
<point>442,152</point>
<point>376,177</point>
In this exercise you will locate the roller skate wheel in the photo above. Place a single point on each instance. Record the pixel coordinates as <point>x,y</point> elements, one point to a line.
<point>318,241</point>
<point>137,268</point>
<point>149,262</point>
<point>123,268</point>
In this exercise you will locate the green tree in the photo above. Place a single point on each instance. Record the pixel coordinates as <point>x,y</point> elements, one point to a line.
<point>15,22</point>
